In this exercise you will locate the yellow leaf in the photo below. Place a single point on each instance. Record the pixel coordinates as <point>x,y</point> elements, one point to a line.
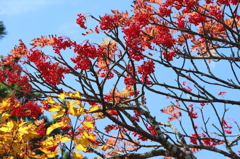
<point>65,138</point>
<point>54,126</point>
<point>50,100</point>
<point>76,111</point>
<point>93,108</point>
<point>89,136</point>
<point>55,108</point>
<point>5,129</point>
<point>59,114</point>
<point>80,148</point>
<point>77,155</point>
<point>5,104</point>
<point>50,154</point>
<point>88,125</point>
<point>16,147</point>
<point>11,124</point>
<point>61,96</point>
<point>5,116</point>
<point>74,95</point>
<point>49,142</point>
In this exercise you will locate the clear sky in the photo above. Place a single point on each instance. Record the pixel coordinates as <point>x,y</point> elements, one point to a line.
<point>29,19</point>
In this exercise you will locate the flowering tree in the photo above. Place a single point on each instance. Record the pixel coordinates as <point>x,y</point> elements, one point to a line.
<point>160,49</point>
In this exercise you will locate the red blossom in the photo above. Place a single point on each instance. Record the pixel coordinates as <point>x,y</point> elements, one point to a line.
<point>109,21</point>
<point>164,12</point>
<point>142,19</point>
<point>41,130</point>
<point>30,109</point>
<point>193,140</point>
<point>52,72</point>
<point>197,18</point>
<point>136,118</point>
<point>35,110</point>
<point>169,56</point>
<point>146,68</point>
<point>193,115</point>
<point>180,23</point>
<point>81,20</point>
<point>152,130</point>
<point>228,131</point>
<point>129,81</point>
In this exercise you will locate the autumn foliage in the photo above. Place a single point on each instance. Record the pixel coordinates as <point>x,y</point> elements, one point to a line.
<point>106,98</point>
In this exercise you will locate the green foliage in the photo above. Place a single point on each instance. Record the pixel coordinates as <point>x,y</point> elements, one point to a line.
<point>2,30</point>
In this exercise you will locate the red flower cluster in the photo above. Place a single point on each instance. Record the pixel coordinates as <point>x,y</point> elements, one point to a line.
<point>81,20</point>
<point>210,142</point>
<point>109,21</point>
<point>107,73</point>
<point>193,140</point>
<point>191,112</point>
<point>180,23</point>
<point>164,37</point>
<point>29,109</point>
<point>140,137</point>
<point>60,43</point>
<point>215,12</point>
<point>52,72</point>
<point>129,80</point>
<point>41,130</point>
<point>227,127</point>
<point>135,45</point>
<point>197,18</point>
<point>14,76</point>
<point>136,115</point>
<point>207,141</point>
<point>164,12</point>
<point>227,2</point>
<point>142,19</point>
<point>169,56</point>
<point>85,52</point>
<point>151,129</point>
<point>146,68</point>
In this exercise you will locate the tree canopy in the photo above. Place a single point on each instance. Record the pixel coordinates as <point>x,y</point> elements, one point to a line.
<point>163,82</point>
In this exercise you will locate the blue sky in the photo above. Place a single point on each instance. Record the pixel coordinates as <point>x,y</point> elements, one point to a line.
<point>29,19</point>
